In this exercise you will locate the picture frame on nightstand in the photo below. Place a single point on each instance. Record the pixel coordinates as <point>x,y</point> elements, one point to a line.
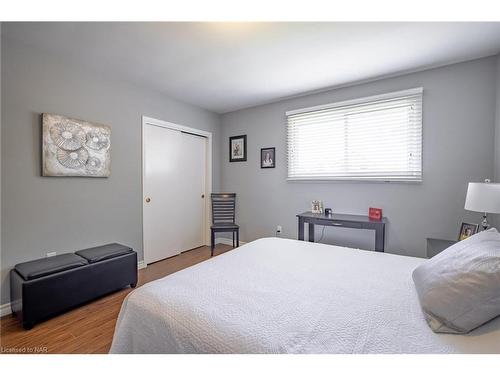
<point>467,230</point>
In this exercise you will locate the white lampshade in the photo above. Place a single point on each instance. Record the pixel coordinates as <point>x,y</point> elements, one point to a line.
<point>483,197</point>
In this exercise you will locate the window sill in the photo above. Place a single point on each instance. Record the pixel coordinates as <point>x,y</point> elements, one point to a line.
<point>353,180</point>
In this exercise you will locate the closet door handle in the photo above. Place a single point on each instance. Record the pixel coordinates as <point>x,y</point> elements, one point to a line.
<point>148,200</point>
<point>203,196</point>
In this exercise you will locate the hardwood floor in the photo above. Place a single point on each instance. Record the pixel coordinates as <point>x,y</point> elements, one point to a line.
<point>90,328</point>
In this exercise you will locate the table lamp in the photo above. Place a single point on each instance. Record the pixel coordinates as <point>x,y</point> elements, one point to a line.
<point>483,197</point>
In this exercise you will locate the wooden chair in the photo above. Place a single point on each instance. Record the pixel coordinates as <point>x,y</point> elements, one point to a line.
<point>223,217</point>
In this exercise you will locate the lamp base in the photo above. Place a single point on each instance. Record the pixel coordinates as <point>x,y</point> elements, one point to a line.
<point>485,223</point>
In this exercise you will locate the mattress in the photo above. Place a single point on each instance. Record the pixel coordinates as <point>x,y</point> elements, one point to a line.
<point>285,296</point>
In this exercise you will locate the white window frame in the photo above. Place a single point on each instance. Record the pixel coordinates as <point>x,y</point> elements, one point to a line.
<point>367,99</point>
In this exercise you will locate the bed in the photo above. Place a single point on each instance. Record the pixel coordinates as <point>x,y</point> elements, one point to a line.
<point>285,296</point>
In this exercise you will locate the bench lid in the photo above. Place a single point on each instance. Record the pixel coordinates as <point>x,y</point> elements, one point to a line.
<point>47,266</point>
<point>99,253</point>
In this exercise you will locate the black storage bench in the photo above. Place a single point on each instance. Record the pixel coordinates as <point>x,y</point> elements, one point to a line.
<point>45,287</point>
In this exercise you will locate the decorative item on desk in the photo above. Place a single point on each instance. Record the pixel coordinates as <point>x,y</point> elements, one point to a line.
<point>317,207</point>
<point>483,197</point>
<point>328,212</point>
<point>467,230</point>
<point>375,213</point>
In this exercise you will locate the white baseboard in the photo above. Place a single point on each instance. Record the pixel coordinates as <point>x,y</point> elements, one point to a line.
<point>226,241</point>
<point>5,309</point>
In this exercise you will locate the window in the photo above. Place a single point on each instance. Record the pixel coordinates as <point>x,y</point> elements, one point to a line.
<point>375,138</point>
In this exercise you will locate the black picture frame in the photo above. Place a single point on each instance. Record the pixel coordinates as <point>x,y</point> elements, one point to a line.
<point>238,141</point>
<point>467,230</point>
<point>263,153</point>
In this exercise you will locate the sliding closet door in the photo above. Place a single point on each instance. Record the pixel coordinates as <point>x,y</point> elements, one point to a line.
<point>162,149</point>
<point>192,179</point>
<point>174,189</point>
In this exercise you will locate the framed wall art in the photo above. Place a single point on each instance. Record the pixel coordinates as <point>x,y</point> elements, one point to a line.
<point>75,147</point>
<point>238,148</point>
<point>268,157</point>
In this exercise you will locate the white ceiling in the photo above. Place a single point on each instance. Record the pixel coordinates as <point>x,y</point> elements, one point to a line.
<point>227,66</point>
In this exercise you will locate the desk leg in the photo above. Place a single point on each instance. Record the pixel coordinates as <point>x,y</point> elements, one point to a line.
<point>380,238</point>
<point>301,229</point>
<point>311,232</point>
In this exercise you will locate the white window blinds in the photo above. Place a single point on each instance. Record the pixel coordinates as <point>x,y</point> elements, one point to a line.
<point>375,138</point>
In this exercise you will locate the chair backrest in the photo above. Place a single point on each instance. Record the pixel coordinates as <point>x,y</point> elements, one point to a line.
<point>223,208</point>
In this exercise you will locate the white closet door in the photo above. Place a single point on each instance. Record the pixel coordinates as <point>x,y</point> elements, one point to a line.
<point>162,148</point>
<point>174,182</point>
<point>192,202</point>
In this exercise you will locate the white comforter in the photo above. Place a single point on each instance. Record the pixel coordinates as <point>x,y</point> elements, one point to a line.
<point>285,296</point>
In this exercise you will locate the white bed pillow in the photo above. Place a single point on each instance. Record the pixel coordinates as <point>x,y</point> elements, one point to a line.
<point>459,289</point>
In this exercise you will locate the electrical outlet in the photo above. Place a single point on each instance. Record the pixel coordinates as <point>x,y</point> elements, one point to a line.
<point>53,254</point>
<point>278,230</point>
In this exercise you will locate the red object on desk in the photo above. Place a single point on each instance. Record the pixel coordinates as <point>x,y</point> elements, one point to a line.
<point>375,213</point>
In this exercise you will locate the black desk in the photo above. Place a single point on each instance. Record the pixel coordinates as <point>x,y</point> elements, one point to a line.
<point>345,221</point>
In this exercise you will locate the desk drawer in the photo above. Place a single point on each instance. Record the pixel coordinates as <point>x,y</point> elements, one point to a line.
<point>335,223</point>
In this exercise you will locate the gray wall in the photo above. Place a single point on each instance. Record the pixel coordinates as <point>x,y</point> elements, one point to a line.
<point>497,124</point>
<point>458,147</point>
<point>41,214</point>
<point>497,135</point>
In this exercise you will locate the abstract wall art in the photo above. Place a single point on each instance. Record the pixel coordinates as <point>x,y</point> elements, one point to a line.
<point>75,147</point>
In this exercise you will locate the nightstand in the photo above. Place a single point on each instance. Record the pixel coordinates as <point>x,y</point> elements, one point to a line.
<point>435,246</point>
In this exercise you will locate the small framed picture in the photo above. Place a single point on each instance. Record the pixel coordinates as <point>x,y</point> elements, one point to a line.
<point>268,157</point>
<point>317,207</point>
<point>467,230</point>
<point>238,148</point>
